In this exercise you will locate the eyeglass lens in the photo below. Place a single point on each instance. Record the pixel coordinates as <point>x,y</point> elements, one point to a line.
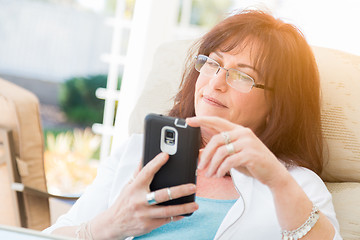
<point>236,79</point>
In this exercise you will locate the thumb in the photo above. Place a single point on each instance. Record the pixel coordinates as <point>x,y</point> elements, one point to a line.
<point>147,173</point>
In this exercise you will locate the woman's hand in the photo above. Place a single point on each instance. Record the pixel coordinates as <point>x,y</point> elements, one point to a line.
<point>131,215</point>
<point>247,155</point>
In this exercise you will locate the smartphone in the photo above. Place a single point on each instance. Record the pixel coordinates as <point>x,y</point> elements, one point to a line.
<point>182,143</point>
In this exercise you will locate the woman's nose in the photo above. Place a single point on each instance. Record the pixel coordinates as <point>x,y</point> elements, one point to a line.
<point>218,81</point>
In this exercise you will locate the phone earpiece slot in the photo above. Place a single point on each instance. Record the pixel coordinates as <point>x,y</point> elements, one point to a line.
<point>180,123</point>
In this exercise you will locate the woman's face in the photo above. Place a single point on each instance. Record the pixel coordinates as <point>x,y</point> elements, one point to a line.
<point>214,97</point>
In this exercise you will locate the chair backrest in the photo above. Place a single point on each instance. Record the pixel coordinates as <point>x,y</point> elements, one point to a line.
<point>162,83</point>
<point>20,114</point>
<point>340,82</point>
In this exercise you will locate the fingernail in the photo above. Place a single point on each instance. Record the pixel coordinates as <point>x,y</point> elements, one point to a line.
<point>200,153</point>
<point>193,187</point>
<point>201,163</point>
<point>196,207</point>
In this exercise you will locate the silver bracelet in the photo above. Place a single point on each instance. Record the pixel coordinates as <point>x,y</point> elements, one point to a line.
<point>304,229</point>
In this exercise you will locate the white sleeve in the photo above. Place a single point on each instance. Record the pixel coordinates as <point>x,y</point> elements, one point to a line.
<point>318,193</point>
<point>96,197</point>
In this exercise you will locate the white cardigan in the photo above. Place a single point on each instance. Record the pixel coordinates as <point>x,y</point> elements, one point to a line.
<point>253,215</point>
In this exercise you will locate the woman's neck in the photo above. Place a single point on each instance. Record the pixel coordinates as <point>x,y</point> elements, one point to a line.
<point>215,188</point>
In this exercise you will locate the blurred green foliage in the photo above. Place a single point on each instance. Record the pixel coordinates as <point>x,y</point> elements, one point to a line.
<point>78,101</point>
<point>207,13</point>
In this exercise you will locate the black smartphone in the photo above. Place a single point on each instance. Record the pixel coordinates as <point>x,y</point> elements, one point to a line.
<point>182,143</point>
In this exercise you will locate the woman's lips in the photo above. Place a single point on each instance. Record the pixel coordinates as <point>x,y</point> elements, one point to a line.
<point>213,101</point>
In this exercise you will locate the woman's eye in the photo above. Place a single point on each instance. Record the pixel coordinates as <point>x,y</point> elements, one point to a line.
<point>244,78</point>
<point>239,76</point>
<point>212,64</point>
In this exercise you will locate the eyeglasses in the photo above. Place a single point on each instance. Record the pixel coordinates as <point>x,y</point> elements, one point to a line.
<point>234,78</point>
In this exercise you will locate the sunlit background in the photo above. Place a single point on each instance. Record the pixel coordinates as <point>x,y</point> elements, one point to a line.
<point>65,50</point>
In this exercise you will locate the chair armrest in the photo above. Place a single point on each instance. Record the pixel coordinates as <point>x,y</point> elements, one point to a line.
<point>19,187</point>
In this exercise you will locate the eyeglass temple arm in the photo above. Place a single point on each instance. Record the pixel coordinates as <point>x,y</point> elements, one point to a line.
<point>262,86</point>
<point>259,86</point>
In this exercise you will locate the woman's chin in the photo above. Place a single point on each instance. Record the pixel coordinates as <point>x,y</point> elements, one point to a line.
<point>209,113</point>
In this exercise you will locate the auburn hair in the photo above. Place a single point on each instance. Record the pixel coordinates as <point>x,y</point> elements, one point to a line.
<point>286,67</point>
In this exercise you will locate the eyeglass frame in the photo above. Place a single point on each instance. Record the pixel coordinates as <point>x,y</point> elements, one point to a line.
<point>254,84</point>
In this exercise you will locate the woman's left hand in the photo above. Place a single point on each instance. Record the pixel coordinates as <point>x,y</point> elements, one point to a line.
<point>248,154</point>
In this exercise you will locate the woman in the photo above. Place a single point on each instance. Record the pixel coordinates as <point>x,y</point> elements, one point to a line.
<point>253,89</point>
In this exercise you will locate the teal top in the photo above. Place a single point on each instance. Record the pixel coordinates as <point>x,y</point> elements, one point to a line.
<point>202,224</point>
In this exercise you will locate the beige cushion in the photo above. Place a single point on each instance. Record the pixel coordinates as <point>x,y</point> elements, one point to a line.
<point>20,113</point>
<point>340,81</point>
<point>346,199</point>
<point>162,83</point>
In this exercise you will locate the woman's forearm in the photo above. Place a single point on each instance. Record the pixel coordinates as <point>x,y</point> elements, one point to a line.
<point>69,231</point>
<point>84,232</point>
<point>95,229</point>
<point>293,208</point>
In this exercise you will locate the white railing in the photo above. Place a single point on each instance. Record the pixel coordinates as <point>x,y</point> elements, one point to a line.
<point>111,94</point>
<point>154,22</point>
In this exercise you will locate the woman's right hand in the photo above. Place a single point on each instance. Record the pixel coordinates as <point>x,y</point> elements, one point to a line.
<point>131,215</point>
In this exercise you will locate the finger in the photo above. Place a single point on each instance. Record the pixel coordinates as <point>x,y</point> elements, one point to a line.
<point>163,195</point>
<point>234,161</point>
<point>147,173</point>
<point>210,149</point>
<point>227,164</point>
<point>218,146</point>
<point>220,155</point>
<point>173,210</point>
<point>158,222</point>
<point>211,122</point>
<point>162,221</point>
<point>222,158</point>
<point>137,171</point>
<point>176,218</point>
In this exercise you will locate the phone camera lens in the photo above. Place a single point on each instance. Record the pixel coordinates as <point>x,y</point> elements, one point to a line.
<point>169,137</point>
<point>169,134</point>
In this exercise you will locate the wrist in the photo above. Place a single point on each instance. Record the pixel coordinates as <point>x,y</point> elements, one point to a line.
<point>304,228</point>
<point>84,231</point>
<point>100,227</point>
<point>96,229</point>
<point>292,204</point>
<point>282,180</point>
